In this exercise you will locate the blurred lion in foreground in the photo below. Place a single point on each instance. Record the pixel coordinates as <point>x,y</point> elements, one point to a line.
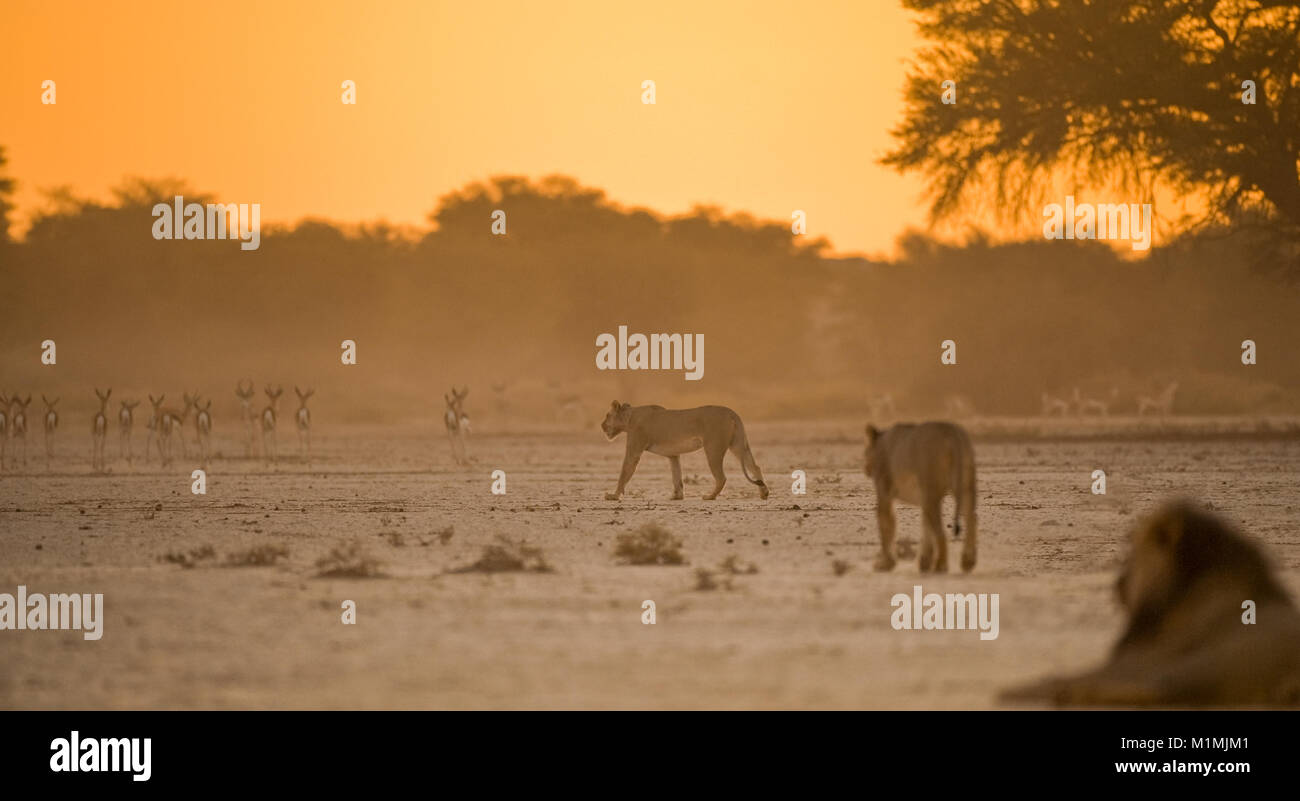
<point>1188,641</point>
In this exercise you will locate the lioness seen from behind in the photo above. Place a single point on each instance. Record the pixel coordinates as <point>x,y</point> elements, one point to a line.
<point>673,432</point>
<point>919,464</point>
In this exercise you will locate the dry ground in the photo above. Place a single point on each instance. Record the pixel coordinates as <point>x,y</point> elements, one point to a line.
<point>793,635</point>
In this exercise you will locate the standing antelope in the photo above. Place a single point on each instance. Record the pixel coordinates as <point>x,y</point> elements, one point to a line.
<point>881,407</point>
<point>155,427</point>
<point>457,423</point>
<point>1054,405</point>
<point>1161,404</point>
<point>268,422</point>
<point>125,420</point>
<point>18,421</point>
<point>203,424</point>
<point>247,415</point>
<point>51,422</point>
<point>1076,402</point>
<point>99,430</point>
<point>172,422</point>
<point>4,429</point>
<point>958,406</point>
<point>303,420</point>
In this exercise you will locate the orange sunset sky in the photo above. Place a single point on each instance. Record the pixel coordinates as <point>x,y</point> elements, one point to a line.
<point>763,107</point>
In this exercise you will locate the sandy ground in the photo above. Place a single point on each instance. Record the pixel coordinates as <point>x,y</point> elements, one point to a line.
<point>792,635</point>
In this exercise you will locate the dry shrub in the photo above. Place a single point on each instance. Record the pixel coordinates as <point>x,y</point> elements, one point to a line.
<point>733,565</point>
<point>258,556</point>
<point>506,556</point>
<point>650,544</point>
<point>706,582</point>
<point>348,561</point>
<point>191,559</point>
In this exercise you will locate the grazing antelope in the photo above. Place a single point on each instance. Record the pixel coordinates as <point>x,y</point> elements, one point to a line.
<point>1160,404</point>
<point>99,430</point>
<point>247,415</point>
<point>4,429</point>
<point>50,422</point>
<point>125,420</point>
<point>18,422</point>
<point>203,424</point>
<point>1054,405</point>
<point>268,422</point>
<point>1098,405</point>
<point>457,423</point>
<point>155,428</point>
<point>302,419</point>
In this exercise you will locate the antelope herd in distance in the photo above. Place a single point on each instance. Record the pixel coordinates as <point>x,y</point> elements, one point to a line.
<point>165,427</point>
<point>1080,406</point>
<point>166,423</point>
<point>1076,404</point>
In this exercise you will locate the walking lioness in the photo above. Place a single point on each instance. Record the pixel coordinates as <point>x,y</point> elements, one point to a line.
<point>672,432</point>
<point>919,464</point>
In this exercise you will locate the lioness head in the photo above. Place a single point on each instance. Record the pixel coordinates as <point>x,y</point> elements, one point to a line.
<point>1176,547</point>
<point>615,422</point>
<point>870,454</point>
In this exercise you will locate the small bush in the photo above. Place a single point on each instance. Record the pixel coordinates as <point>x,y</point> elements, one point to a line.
<point>189,560</point>
<point>733,566</point>
<point>508,557</point>
<point>348,561</point>
<point>649,545</point>
<point>705,581</point>
<point>259,556</point>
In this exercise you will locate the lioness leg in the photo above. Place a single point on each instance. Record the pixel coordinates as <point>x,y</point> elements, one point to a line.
<point>714,451</point>
<point>885,517</point>
<point>676,462</point>
<point>630,459</point>
<point>934,544</point>
<point>968,549</point>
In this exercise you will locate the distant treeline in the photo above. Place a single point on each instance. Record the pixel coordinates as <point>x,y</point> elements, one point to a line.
<point>789,329</point>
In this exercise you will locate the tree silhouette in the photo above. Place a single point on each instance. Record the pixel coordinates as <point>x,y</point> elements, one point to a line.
<point>6,191</point>
<point>792,329</point>
<point>1132,92</point>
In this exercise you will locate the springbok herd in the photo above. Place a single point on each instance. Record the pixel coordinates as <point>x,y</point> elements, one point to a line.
<point>165,426</point>
<point>1078,405</point>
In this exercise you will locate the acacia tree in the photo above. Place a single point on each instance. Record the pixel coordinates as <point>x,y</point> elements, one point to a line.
<point>1138,93</point>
